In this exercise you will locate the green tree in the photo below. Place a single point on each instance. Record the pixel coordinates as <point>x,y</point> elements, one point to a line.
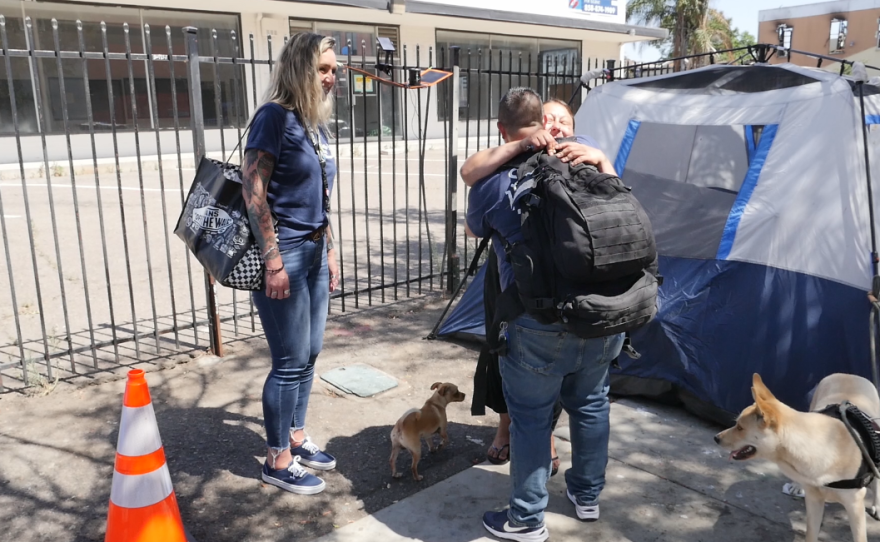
<point>693,26</point>
<point>683,18</point>
<point>722,35</point>
<point>743,38</point>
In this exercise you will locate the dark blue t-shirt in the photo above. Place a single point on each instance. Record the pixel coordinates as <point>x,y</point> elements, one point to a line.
<point>295,189</point>
<point>588,141</point>
<point>490,213</point>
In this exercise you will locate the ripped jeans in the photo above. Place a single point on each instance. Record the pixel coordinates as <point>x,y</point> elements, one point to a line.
<point>294,329</point>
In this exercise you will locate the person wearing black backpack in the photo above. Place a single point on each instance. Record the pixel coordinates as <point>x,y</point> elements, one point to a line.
<point>558,123</point>
<point>555,341</point>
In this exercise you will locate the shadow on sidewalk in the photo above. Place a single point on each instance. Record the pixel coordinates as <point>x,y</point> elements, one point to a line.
<point>364,462</point>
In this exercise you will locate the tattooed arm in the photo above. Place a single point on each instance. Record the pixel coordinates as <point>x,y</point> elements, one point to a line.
<point>332,263</point>
<point>257,170</point>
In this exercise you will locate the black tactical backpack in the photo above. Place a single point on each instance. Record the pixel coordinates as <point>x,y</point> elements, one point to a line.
<point>587,256</point>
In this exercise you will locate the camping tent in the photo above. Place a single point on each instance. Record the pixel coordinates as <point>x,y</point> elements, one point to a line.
<point>754,179</point>
<point>468,317</point>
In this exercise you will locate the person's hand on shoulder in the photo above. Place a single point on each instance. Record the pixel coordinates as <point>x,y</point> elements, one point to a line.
<point>539,139</point>
<point>578,153</point>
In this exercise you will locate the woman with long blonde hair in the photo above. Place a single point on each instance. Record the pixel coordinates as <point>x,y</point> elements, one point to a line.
<point>288,173</point>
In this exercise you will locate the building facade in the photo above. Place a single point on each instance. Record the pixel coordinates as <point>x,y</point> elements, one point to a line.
<point>848,29</point>
<point>497,34</point>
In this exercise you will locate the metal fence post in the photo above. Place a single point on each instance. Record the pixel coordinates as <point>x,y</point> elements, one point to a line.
<point>452,202</point>
<point>609,65</point>
<point>197,123</point>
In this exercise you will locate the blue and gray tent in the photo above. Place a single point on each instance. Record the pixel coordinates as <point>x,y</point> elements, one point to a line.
<point>755,181</point>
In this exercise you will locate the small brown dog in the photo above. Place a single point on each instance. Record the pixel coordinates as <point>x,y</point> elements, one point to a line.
<point>417,424</point>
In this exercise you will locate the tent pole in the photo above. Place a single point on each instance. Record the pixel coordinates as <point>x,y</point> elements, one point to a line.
<point>872,323</point>
<point>874,257</point>
<point>875,283</point>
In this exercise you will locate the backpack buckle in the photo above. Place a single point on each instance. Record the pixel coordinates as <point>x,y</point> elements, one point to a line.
<point>542,303</point>
<point>531,200</point>
<point>628,348</point>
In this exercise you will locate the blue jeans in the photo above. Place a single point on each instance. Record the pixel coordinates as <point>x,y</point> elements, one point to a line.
<point>544,363</point>
<point>294,329</point>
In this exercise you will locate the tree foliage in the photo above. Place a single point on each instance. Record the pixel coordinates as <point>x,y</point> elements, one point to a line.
<point>693,27</point>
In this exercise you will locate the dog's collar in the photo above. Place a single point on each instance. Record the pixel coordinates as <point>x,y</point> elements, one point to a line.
<point>863,431</point>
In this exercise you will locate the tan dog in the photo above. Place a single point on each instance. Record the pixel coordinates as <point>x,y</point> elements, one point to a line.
<point>417,424</point>
<point>810,448</point>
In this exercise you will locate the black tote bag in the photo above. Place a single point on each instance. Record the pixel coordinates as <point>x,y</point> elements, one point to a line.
<point>214,225</point>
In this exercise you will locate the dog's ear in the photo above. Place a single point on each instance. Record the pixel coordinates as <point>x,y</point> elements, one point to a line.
<point>436,385</point>
<point>761,390</point>
<point>756,392</point>
<point>765,403</point>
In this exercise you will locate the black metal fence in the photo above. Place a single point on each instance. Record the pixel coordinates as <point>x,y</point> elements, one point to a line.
<point>96,279</point>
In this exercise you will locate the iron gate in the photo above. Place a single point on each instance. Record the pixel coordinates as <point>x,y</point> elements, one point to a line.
<point>97,280</point>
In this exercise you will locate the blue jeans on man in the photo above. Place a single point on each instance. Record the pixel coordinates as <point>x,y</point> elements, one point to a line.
<point>544,362</point>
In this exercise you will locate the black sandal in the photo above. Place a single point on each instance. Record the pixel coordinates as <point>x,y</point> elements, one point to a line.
<point>496,460</point>
<point>555,468</point>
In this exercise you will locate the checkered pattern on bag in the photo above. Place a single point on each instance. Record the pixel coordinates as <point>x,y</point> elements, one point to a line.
<point>248,273</point>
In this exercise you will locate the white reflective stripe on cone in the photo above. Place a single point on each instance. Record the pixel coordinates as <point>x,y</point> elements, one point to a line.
<point>138,432</point>
<point>141,490</point>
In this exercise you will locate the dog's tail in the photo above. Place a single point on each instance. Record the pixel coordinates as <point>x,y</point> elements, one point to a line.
<point>395,431</point>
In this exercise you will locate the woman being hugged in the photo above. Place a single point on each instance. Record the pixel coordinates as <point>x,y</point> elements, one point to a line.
<point>288,173</point>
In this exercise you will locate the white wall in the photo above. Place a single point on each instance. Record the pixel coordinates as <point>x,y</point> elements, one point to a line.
<point>593,10</point>
<point>270,18</point>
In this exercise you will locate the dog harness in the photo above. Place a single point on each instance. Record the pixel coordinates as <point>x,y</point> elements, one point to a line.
<point>864,432</point>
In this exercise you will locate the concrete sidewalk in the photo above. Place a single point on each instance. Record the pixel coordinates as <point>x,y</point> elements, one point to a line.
<point>666,478</point>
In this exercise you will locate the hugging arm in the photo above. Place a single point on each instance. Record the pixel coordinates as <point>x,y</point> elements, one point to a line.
<point>485,162</point>
<point>578,153</point>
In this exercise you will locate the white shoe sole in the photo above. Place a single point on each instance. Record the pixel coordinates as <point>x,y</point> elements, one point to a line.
<point>316,465</point>
<point>591,514</point>
<point>535,536</point>
<point>299,490</point>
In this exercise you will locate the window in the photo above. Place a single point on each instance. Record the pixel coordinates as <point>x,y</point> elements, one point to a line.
<point>837,38</point>
<point>359,113</point>
<point>491,64</point>
<point>688,178</point>
<point>877,35</point>
<point>783,35</point>
<point>74,74</point>
<point>362,37</point>
<point>298,27</point>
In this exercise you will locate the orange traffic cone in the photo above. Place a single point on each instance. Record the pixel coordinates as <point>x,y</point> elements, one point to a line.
<point>143,507</point>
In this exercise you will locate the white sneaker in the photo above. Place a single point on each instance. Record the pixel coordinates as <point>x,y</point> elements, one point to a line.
<point>586,513</point>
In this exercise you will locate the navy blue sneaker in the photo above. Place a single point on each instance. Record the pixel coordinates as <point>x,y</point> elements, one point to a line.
<point>294,479</point>
<point>498,523</point>
<point>312,456</point>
